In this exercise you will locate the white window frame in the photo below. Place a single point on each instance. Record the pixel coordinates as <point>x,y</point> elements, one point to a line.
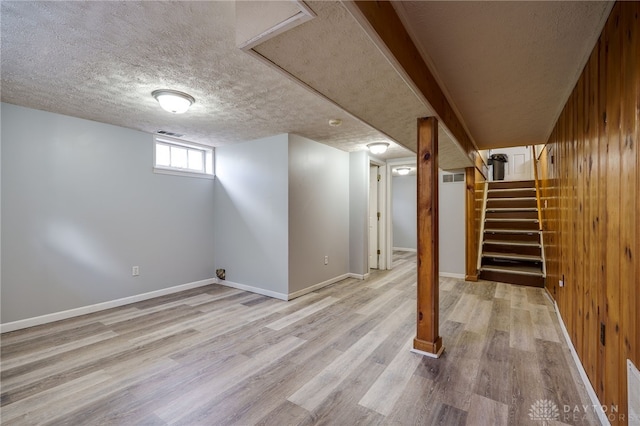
<point>208,158</point>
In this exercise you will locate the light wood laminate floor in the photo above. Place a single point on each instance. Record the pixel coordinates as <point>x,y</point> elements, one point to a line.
<point>337,356</point>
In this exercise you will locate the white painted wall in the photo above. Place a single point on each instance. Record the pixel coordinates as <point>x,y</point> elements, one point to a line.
<point>358,212</point>
<point>318,213</point>
<point>252,213</point>
<point>404,211</point>
<point>81,205</point>
<point>452,225</point>
<point>282,204</point>
<point>451,220</point>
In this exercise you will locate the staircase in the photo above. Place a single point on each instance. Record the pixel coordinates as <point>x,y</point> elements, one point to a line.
<point>511,250</point>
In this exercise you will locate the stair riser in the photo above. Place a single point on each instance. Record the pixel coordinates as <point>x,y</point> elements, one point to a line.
<point>533,226</point>
<point>511,194</point>
<point>511,215</point>
<point>511,237</point>
<point>506,277</point>
<point>508,203</point>
<point>490,261</point>
<point>498,248</point>
<point>512,184</point>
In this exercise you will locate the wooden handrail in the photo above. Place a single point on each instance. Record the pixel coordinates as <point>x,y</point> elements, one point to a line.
<point>535,179</point>
<point>482,218</point>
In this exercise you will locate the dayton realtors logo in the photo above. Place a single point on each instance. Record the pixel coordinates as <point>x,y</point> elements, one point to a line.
<point>544,410</point>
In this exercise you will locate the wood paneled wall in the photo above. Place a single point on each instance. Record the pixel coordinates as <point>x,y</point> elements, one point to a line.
<point>591,184</point>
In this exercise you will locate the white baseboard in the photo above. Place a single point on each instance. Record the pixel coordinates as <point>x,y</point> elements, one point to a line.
<point>317,286</point>
<point>633,393</point>
<point>452,275</point>
<point>405,249</point>
<point>602,416</point>
<point>57,316</point>
<point>359,276</point>
<point>283,296</point>
<point>257,290</point>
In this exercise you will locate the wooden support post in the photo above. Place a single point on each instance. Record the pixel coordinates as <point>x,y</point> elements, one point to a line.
<point>428,340</point>
<point>471,235</point>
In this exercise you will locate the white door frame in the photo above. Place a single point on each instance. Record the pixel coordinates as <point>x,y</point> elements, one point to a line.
<point>383,224</point>
<point>374,217</point>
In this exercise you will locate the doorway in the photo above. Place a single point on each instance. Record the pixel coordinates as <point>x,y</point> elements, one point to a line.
<point>374,216</point>
<point>378,216</point>
<point>519,164</point>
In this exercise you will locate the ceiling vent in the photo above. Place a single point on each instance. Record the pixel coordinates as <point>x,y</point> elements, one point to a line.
<point>164,132</point>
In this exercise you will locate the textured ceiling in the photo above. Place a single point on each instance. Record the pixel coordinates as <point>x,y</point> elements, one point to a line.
<point>508,67</point>
<point>334,56</point>
<point>101,61</point>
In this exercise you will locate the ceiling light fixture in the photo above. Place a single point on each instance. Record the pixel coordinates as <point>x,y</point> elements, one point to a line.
<point>173,101</point>
<point>403,171</point>
<point>335,122</point>
<point>378,147</point>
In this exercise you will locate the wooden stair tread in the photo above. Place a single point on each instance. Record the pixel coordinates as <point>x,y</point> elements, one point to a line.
<point>512,243</point>
<point>507,190</point>
<point>496,199</point>
<point>512,231</point>
<point>518,270</point>
<point>512,209</point>
<point>513,256</point>
<point>510,219</point>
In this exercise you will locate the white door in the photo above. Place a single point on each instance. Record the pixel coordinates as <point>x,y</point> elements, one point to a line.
<point>519,164</point>
<point>373,217</point>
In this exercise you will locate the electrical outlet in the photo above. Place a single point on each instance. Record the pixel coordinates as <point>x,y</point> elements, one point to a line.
<point>135,271</point>
<point>326,260</point>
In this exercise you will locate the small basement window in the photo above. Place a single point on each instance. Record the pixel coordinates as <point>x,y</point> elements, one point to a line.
<point>173,156</point>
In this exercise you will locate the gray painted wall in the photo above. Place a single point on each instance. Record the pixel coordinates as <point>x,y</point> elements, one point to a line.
<point>404,211</point>
<point>358,212</point>
<point>251,220</point>
<point>450,216</point>
<point>318,212</point>
<point>452,225</point>
<point>81,206</point>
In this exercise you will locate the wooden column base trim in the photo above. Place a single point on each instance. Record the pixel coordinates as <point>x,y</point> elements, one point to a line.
<point>431,349</point>
<point>473,278</point>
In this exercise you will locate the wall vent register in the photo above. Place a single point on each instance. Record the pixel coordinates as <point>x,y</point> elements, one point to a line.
<point>453,177</point>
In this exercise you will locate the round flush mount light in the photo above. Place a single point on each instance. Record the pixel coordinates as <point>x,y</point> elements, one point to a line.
<point>173,101</point>
<point>335,122</point>
<point>403,171</point>
<point>378,147</point>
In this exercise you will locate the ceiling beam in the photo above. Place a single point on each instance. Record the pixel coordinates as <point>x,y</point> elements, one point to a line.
<point>382,19</point>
